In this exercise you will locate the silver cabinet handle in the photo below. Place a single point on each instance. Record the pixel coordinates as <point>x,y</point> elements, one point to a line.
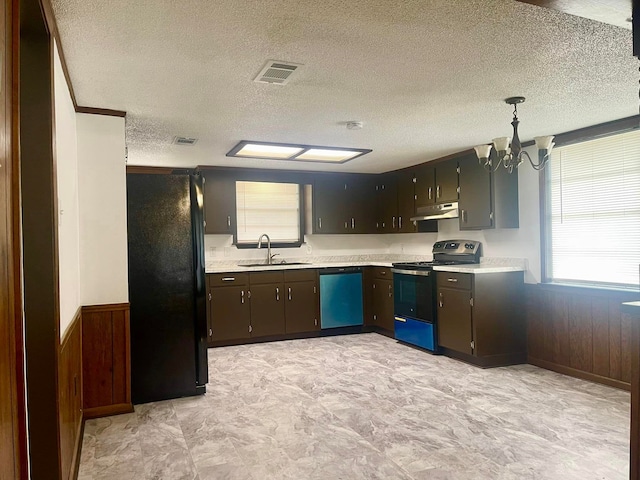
<point>383,272</point>
<point>438,191</point>
<point>314,289</point>
<point>209,296</point>
<point>289,293</point>
<point>315,322</point>
<point>228,279</point>
<point>452,280</point>
<point>389,291</point>
<point>277,294</point>
<point>430,193</point>
<point>210,333</point>
<point>319,223</point>
<point>228,221</point>
<point>242,296</point>
<point>353,223</point>
<point>393,222</point>
<point>400,223</point>
<point>346,225</point>
<point>400,319</point>
<point>441,302</point>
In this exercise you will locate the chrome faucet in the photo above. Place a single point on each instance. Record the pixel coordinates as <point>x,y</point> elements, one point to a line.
<point>269,258</point>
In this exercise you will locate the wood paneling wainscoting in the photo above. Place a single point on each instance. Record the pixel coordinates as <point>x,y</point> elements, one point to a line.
<point>580,332</point>
<point>70,397</point>
<point>106,360</point>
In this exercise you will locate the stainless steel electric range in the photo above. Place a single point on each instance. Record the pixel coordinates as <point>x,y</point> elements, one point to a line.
<point>414,291</point>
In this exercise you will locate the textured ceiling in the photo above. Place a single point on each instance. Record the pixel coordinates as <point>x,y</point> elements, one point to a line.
<point>427,77</point>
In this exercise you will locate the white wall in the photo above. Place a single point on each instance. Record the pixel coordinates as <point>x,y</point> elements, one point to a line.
<point>67,188</point>
<point>521,243</point>
<point>103,209</point>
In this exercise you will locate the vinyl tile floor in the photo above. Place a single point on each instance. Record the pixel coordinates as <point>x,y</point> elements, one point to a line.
<point>366,407</point>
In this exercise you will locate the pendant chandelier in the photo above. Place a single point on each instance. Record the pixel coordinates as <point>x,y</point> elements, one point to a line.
<point>508,151</point>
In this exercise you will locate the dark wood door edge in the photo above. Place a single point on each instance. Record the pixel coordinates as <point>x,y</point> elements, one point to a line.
<point>108,307</point>
<point>572,372</point>
<point>77,452</point>
<point>101,111</point>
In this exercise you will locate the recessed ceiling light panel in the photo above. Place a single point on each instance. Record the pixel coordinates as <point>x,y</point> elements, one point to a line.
<point>289,151</point>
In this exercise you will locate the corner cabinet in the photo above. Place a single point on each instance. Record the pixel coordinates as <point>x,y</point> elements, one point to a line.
<point>487,199</point>
<point>219,202</point>
<point>480,317</point>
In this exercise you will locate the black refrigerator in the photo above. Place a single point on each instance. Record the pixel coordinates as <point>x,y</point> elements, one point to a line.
<point>166,286</point>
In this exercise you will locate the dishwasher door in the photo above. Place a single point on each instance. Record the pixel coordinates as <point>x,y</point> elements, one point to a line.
<point>341,297</point>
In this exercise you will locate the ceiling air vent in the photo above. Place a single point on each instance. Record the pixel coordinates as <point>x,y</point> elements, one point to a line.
<point>184,141</point>
<point>277,72</point>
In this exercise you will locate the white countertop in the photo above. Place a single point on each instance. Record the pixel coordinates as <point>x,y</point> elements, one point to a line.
<point>487,265</point>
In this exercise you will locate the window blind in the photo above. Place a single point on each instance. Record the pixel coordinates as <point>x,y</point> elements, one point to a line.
<point>271,208</point>
<point>593,212</point>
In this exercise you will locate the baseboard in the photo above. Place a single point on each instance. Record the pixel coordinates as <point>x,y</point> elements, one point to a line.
<point>116,409</point>
<point>75,462</point>
<point>572,372</point>
<point>488,361</point>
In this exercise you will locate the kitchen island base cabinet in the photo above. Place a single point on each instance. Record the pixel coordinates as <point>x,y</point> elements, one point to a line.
<point>480,317</point>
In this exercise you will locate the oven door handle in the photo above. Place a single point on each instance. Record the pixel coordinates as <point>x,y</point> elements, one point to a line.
<point>401,271</point>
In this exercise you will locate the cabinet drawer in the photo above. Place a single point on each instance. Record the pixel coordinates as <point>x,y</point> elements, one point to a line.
<point>382,272</point>
<point>454,280</point>
<point>300,275</point>
<point>227,279</point>
<point>258,278</point>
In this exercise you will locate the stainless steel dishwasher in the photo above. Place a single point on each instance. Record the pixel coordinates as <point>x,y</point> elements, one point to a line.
<point>341,297</point>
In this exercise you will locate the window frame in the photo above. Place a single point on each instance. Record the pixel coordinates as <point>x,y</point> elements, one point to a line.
<point>593,132</point>
<point>301,210</point>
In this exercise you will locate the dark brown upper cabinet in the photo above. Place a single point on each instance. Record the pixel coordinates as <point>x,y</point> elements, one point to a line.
<point>406,202</point>
<point>219,203</point>
<point>436,183</point>
<point>342,204</point>
<point>487,199</point>
<point>387,204</point>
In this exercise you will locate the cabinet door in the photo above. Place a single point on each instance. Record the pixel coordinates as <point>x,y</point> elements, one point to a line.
<point>387,198</point>
<point>425,186</point>
<point>383,303</point>
<point>329,213</point>
<point>301,307</point>
<point>229,313</point>
<point>267,310</point>
<point>361,216</point>
<point>447,181</point>
<point>475,195</point>
<point>454,319</point>
<point>406,202</point>
<point>219,203</point>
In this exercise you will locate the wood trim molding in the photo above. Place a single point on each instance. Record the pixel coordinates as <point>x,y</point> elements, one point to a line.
<point>76,318</point>
<point>596,131</point>
<point>52,26</point>
<point>108,410</point>
<point>149,170</point>
<point>572,372</point>
<point>107,307</point>
<point>100,111</point>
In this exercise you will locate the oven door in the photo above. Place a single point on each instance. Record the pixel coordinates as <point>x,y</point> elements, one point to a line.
<point>413,294</point>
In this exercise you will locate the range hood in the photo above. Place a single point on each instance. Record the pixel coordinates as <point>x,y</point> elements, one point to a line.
<point>436,212</point>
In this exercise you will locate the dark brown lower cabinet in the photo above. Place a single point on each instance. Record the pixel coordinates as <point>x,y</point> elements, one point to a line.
<point>454,319</point>
<point>382,298</point>
<point>229,313</point>
<point>267,309</point>
<point>301,307</point>
<point>262,304</point>
<point>480,317</point>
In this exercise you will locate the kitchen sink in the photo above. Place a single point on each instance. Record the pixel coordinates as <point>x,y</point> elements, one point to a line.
<point>272,265</point>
